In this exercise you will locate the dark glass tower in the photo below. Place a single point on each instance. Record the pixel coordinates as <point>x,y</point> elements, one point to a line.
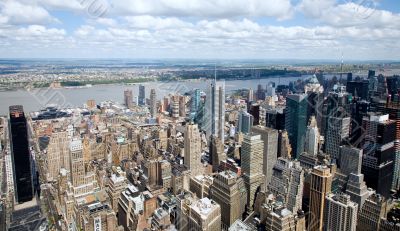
<point>20,155</point>
<point>296,121</point>
<point>142,95</point>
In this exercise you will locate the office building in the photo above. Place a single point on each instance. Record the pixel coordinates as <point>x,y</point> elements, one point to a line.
<point>192,145</point>
<point>142,95</point>
<point>287,183</point>
<point>252,165</point>
<point>250,96</point>
<point>214,115</point>
<point>245,122</point>
<point>204,215</point>
<point>337,131</point>
<point>340,213</point>
<point>57,149</point>
<point>97,216</point>
<point>217,153</point>
<point>200,185</point>
<point>312,138</point>
<point>270,138</point>
<point>195,101</point>
<point>226,192</point>
<point>153,103</point>
<point>369,218</point>
<point>379,153</point>
<point>284,148</point>
<point>116,184</point>
<point>350,160</point>
<point>128,98</point>
<point>320,187</point>
<point>21,157</point>
<point>296,121</point>
<point>357,189</point>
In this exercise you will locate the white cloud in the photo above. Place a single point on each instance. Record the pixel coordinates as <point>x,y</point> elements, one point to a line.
<point>280,9</point>
<point>18,13</point>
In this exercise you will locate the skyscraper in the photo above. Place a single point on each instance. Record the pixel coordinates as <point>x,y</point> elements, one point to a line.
<point>225,191</point>
<point>270,138</point>
<point>379,153</point>
<point>311,145</point>
<point>153,103</point>
<point>321,182</point>
<point>287,183</point>
<point>214,115</point>
<point>245,122</point>
<point>350,160</point>
<point>142,95</point>
<point>192,144</point>
<point>296,121</point>
<point>216,152</point>
<point>341,213</point>
<point>252,163</point>
<point>204,215</point>
<point>128,98</point>
<point>195,101</point>
<point>374,208</point>
<point>21,157</point>
<point>250,96</point>
<point>337,130</point>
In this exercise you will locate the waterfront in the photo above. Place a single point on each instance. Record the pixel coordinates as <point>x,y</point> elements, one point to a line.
<point>37,99</point>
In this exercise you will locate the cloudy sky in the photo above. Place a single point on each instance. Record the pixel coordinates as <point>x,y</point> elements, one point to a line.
<point>235,29</point>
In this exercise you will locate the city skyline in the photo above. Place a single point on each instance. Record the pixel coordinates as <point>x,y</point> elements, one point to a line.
<point>289,29</point>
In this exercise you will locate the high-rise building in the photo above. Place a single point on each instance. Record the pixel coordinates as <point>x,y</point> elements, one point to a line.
<point>357,189</point>
<point>369,218</point>
<point>128,98</point>
<point>245,122</point>
<point>270,138</point>
<point>226,192</point>
<point>153,103</point>
<point>321,182</point>
<point>379,153</point>
<point>116,184</point>
<point>350,160</point>
<point>97,216</point>
<point>296,121</point>
<point>284,148</point>
<point>214,115</point>
<point>312,139</point>
<point>337,105</point>
<point>252,164</point>
<point>250,96</point>
<point>142,95</point>
<point>21,157</point>
<point>57,149</point>
<point>204,215</point>
<point>337,130</point>
<point>192,145</point>
<point>287,183</point>
<point>195,101</point>
<point>216,152</point>
<point>340,213</point>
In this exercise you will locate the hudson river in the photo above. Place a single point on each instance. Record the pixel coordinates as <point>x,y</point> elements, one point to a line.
<point>37,99</point>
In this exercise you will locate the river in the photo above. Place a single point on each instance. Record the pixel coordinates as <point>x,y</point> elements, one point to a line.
<point>37,99</point>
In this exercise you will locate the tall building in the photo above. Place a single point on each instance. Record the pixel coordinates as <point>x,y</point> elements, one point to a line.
<point>245,122</point>
<point>296,121</point>
<point>287,183</point>
<point>312,139</point>
<point>357,189</point>
<point>153,103</point>
<point>340,213</point>
<point>379,153</point>
<point>57,149</point>
<point>369,218</point>
<point>192,145</point>
<point>321,183</point>
<point>195,101</point>
<point>182,106</point>
<point>97,216</point>
<point>204,215</point>
<point>214,114</point>
<point>128,98</point>
<point>77,163</point>
<point>226,192</point>
<point>350,160</point>
<point>252,163</point>
<point>142,95</point>
<point>217,152</point>
<point>270,138</point>
<point>250,96</point>
<point>21,157</point>
<point>337,130</point>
